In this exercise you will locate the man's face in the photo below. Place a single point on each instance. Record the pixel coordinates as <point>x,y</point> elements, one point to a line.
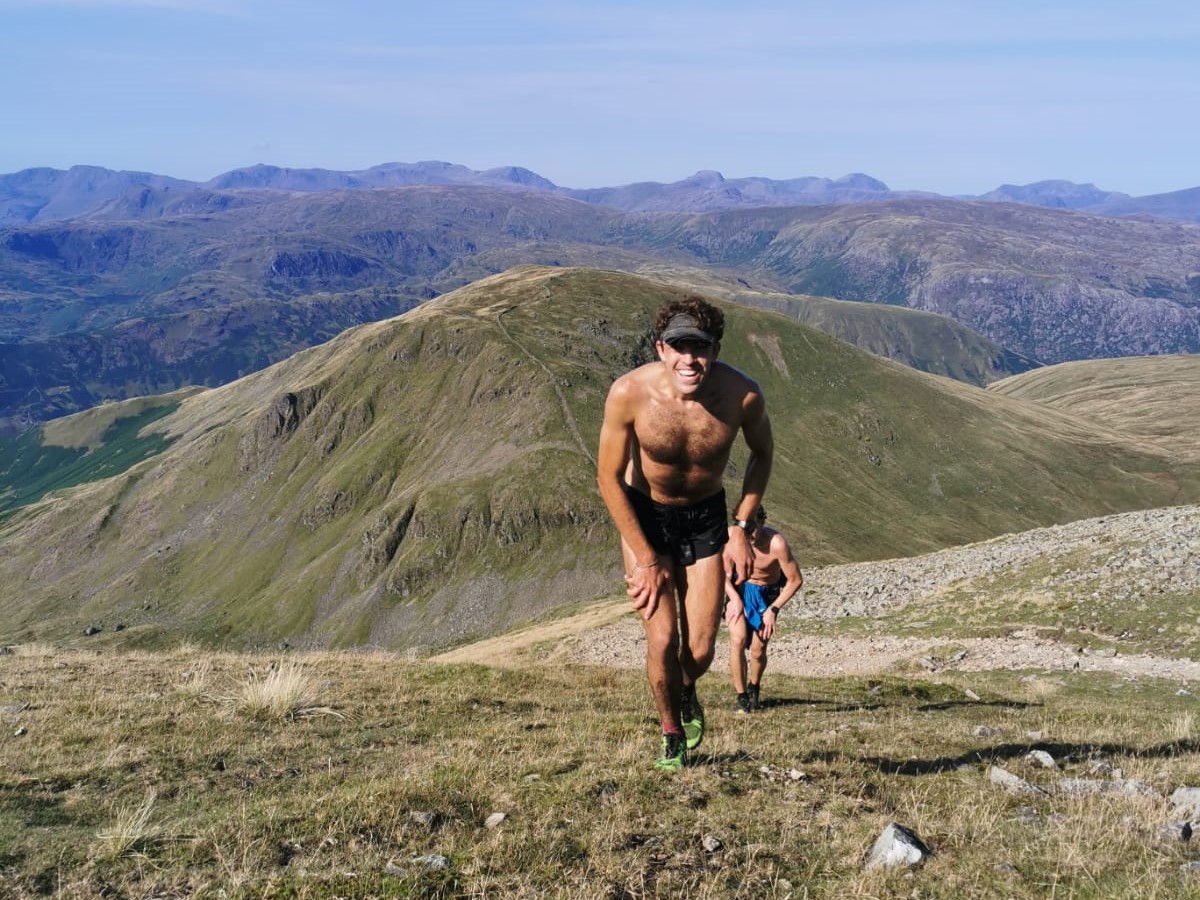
<point>688,362</point>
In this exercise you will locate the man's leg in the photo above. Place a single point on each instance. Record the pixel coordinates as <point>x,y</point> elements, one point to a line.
<point>662,669</point>
<point>738,636</point>
<point>701,589</point>
<point>738,633</point>
<point>758,665</point>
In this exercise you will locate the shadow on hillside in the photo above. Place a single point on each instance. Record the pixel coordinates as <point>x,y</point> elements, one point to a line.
<point>1004,752</point>
<point>952,704</point>
<point>770,703</point>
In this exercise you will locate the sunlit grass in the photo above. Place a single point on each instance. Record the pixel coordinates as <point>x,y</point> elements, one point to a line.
<point>284,692</point>
<point>131,829</point>
<point>121,788</point>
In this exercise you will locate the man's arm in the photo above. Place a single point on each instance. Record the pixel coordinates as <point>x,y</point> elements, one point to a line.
<point>790,570</point>
<point>648,580</point>
<point>733,603</point>
<point>756,429</point>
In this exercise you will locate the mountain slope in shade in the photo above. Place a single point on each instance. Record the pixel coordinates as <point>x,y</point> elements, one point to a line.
<point>430,478</point>
<point>923,341</point>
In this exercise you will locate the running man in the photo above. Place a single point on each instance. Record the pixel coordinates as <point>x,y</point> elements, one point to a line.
<point>668,430</point>
<point>753,611</point>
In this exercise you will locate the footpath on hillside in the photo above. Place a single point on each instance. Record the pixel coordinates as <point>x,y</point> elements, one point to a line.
<point>1133,556</point>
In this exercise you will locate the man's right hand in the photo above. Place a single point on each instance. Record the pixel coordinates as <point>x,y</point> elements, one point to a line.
<point>646,586</point>
<point>739,555</point>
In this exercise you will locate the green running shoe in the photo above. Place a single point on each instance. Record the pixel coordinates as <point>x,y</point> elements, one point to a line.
<point>674,754</point>
<point>692,714</point>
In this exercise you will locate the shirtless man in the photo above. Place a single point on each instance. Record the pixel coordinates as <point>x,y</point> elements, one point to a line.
<point>753,611</point>
<point>668,430</point>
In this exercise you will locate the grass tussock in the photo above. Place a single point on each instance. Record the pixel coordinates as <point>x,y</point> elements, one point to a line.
<point>285,691</point>
<point>111,770</point>
<point>130,830</point>
<point>194,680</point>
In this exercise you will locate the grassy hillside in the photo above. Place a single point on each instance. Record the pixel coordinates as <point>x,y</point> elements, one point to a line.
<point>427,479</point>
<point>1155,399</point>
<point>153,775</point>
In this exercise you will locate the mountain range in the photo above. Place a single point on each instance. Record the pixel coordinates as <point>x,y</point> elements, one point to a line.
<point>93,192</point>
<point>176,285</point>
<point>430,478</point>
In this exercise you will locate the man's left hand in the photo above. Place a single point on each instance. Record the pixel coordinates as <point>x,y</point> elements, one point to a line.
<point>768,623</point>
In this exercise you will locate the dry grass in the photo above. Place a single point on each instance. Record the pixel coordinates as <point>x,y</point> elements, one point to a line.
<point>1153,398</point>
<point>130,829</point>
<point>113,770</point>
<point>1183,726</point>
<point>283,692</point>
<point>195,680</point>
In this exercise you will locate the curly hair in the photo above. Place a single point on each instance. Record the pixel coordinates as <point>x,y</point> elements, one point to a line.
<point>707,316</point>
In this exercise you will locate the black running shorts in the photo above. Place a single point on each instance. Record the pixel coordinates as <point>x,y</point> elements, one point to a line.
<point>685,533</point>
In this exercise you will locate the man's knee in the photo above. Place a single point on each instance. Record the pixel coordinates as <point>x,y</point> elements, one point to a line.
<point>702,649</point>
<point>662,642</point>
<point>758,651</point>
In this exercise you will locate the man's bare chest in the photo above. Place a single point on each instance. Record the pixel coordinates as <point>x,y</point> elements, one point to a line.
<point>685,434</point>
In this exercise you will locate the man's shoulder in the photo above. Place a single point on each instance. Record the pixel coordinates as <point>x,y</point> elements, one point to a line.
<point>734,379</point>
<point>634,380</point>
<point>778,543</point>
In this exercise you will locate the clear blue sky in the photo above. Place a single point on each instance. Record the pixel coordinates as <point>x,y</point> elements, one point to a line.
<point>954,96</point>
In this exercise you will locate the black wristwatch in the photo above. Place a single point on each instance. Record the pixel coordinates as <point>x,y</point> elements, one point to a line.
<point>774,609</point>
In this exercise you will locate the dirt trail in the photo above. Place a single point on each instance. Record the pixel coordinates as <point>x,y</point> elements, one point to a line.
<point>1133,555</point>
<point>608,634</point>
<point>538,642</point>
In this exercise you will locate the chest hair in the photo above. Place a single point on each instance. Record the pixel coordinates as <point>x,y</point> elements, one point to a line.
<point>686,433</point>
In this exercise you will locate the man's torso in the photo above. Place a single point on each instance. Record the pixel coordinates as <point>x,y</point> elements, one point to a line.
<point>767,566</point>
<point>681,447</point>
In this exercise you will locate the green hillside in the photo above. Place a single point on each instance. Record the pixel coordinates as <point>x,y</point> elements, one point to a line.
<point>424,480</point>
<point>1155,399</point>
